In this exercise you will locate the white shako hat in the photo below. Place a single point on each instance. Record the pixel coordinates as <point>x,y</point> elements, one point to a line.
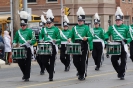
<point>81,14</point>
<point>43,20</point>
<point>118,14</point>
<point>66,21</point>
<point>49,16</point>
<point>23,17</point>
<point>96,19</point>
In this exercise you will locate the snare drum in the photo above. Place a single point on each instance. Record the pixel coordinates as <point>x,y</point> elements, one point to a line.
<point>114,48</point>
<point>73,48</point>
<point>19,53</point>
<point>44,49</point>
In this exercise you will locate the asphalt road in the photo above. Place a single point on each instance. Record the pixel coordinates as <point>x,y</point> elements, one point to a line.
<point>106,77</point>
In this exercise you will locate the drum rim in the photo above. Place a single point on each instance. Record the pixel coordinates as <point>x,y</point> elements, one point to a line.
<point>43,43</point>
<point>73,44</point>
<point>19,48</point>
<point>114,43</point>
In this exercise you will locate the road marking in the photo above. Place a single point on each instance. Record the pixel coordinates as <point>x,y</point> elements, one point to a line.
<point>93,76</point>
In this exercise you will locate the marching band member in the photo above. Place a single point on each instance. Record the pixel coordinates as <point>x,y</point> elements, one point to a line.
<point>65,58</point>
<point>98,43</point>
<point>26,37</point>
<point>50,34</point>
<point>119,33</point>
<point>38,57</point>
<point>81,34</point>
<point>131,43</point>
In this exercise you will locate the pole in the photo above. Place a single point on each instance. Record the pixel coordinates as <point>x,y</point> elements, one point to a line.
<point>61,13</point>
<point>16,18</point>
<point>25,5</point>
<point>11,24</point>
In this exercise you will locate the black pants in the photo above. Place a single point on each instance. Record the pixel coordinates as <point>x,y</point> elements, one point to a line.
<point>40,62</point>
<point>80,60</point>
<point>65,58</point>
<point>97,53</point>
<point>25,64</point>
<point>119,67</point>
<point>49,62</point>
<point>131,50</point>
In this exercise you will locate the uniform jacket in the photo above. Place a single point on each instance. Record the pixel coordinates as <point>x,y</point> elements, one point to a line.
<point>83,31</point>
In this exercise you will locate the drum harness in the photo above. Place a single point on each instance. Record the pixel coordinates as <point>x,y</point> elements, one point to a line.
<point>130,29</point>
<point>123,43</point>
<point>103,45</point>
<point>27,44</point>
<point>56,47</point>
<point>78,34</point>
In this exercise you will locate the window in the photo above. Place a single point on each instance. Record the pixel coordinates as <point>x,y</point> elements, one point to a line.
<point>123,0</point>
<point>127,20</point>
<point>30,1</point>
<point>52,0</point>
<point>129,0</point>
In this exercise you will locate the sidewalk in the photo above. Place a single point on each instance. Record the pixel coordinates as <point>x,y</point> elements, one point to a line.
<point>15,65</point>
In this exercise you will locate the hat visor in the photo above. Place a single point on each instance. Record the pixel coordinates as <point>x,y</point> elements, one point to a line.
<point>23,24</point>
<point>80,19</point>
<point>96,23</point>
<point>118,19</point>
<point>65,25</point>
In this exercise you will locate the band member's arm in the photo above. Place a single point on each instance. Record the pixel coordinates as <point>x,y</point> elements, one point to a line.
<point>129,39</point>
<point>102,34</point>
<point>41,35</point>
<point>89,38</point>
<point>33,38</point>
<point>71,35</point>
<point>108,33</point>
<point>56,36</point>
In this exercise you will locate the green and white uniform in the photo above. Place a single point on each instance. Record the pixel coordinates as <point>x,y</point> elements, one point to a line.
<point>81,61</point>
<point>65,58</point>
<point>53,32</point>
<point>27,34</point>
<point>98,45</point>
<point>131,43</point>
<point>25,64</point>
<point>124,31</point>
<point>49,60</point>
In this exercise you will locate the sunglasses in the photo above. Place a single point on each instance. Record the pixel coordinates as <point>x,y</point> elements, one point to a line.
<point>23,25</point>
<point>48,23</point>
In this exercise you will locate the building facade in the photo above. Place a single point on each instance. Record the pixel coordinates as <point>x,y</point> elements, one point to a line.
<point>127,9</point>
<point>105,9</point>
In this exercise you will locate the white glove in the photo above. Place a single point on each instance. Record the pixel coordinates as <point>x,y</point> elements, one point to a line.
<point>41,41</point>
<point>29,41</point>
<point>14,44</point>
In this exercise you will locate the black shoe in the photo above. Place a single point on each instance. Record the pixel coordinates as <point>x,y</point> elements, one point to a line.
<point>97,69</point>
<point>121,78</point>
<point>26,80</point>
<point>82,78</point>
<point>41,73</point>
<point>50,79</point>
<point>79,77</point>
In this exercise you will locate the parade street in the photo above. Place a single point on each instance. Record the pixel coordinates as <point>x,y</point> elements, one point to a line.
<point>106,77</point>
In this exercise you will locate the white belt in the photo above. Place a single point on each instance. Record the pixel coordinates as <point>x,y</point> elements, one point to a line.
<point>96,40</point>
<point>64,42</point>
